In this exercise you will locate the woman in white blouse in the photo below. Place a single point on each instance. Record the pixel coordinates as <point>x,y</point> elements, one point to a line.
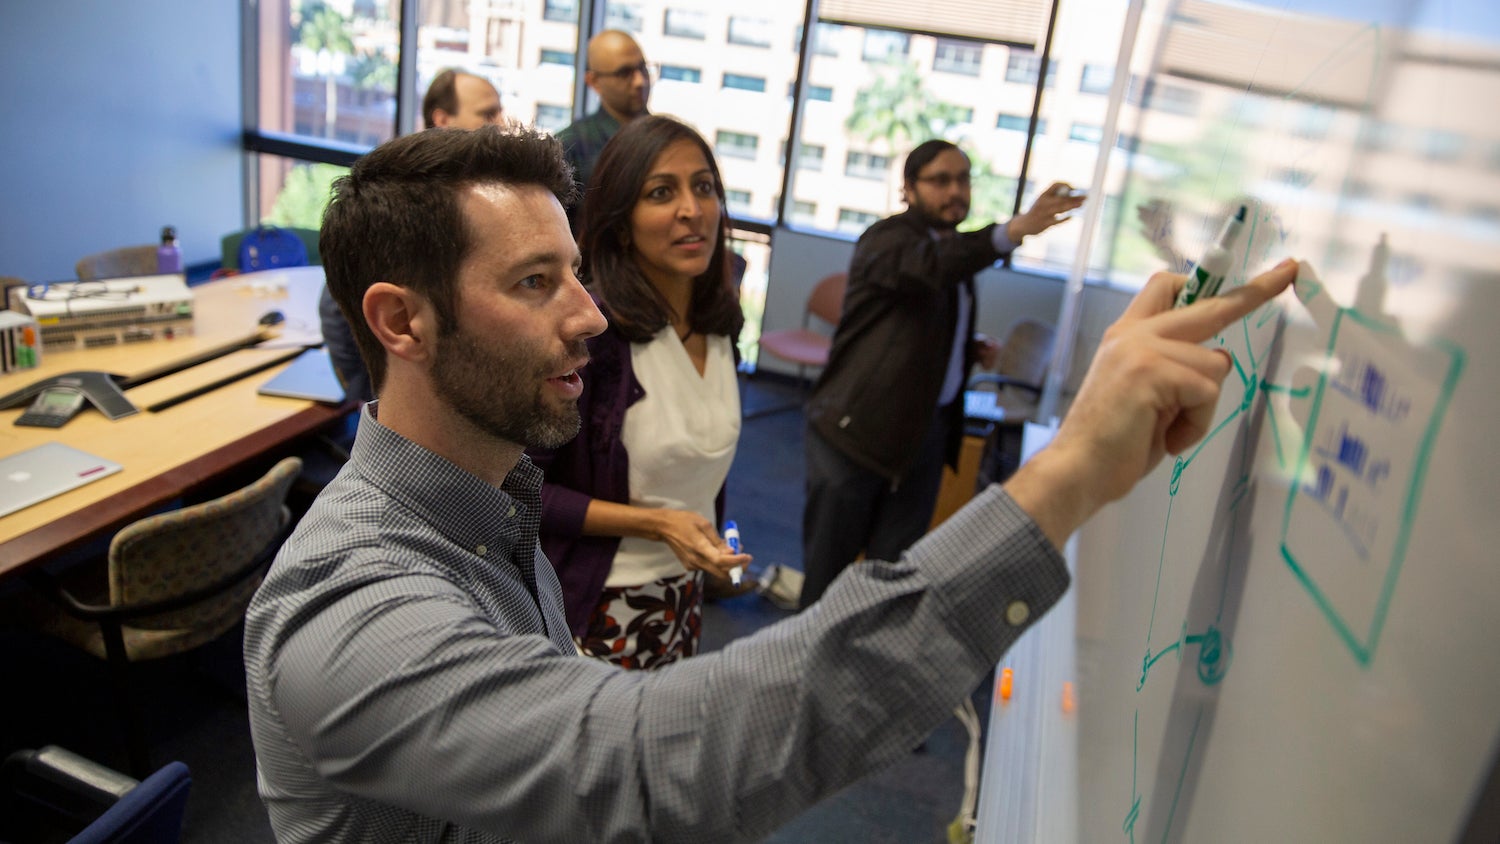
<point>631,508</point>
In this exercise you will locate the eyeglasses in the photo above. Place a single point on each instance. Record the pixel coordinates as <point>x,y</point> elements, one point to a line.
<point>628,72</point>
<point>943,181</point>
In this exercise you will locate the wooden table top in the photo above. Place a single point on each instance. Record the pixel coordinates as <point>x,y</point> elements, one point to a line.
<point>168,453</point>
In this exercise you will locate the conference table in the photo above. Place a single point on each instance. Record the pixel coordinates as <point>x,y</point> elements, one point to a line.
<point>212,422</point>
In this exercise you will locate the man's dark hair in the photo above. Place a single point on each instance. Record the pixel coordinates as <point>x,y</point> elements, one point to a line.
<point>636,309</point>
<point>922,156</point>
<point>397,218</point>
<point>441,94</point>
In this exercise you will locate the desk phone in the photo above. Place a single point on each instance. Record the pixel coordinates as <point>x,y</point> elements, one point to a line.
<point>53,407</point>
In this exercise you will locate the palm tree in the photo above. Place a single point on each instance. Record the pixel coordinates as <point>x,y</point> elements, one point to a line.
<point>323,28</point>
<point>897,112</point>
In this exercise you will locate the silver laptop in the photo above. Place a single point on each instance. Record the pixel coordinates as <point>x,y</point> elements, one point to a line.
<point>309,377</point>
<point>39,473</point>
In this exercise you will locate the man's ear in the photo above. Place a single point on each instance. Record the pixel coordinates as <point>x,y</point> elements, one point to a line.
<point>402,320</point>
<point>441,118</point>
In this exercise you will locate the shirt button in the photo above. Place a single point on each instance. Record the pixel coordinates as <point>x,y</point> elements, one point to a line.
<point>1017,613</point>
<point>482,550</point>
<point>512,512</point>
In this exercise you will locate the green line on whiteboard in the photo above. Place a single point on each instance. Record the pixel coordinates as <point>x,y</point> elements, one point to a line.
<point>1299,393</point>
<point>1182,775</point>
<point>1363,647</point>
<point>1160,561</point>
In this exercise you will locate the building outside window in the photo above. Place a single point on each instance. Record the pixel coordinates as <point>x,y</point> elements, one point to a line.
<point>677,73</point>
<point>741,82</point>
<point>865,165</point>
<point>685,23</point>
<point>736,144</point>
<point>884,45</point>
<point>955,56</point>
<point>749,32</point>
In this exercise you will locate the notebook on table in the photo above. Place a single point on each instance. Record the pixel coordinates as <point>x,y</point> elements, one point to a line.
<point>309,377</point>
<point>41,472</point>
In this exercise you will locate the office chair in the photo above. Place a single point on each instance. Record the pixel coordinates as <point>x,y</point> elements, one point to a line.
<point>54,795</point>
<point>805,346</point>
<point>229,247</point>
<point>118,263</point>
<point>176,581</point>
<point>1009,397</point>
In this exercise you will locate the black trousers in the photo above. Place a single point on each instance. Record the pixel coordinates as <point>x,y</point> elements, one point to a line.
<point>851,509</point>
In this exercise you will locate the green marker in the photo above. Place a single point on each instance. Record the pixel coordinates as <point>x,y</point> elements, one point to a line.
<point>1209,273</point>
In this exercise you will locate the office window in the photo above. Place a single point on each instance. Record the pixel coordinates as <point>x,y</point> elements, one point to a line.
<point>1127,142</point>
<point>1313,121</point>
<point>1097,79</point>
<point>685,23</point>
<point>1164,97</point>
<point>553,118</point>
<point>562,57</point>
<point>677,73</point>
<point>1086,132</point>
<point>963,114</point>
<point>810,156</point>
<point>624,16</point>
<point>1443,145</point>
<point>560,10</point>
<point>804,213</point>
<point>736,144</point>
<point>1384,136</point>
<point>740,82</point>
<point>737,200</point>
<point>954,56</point>
<point>866,165</point>
<point>749,32</point>
<point>855,222</point>
<point>1023,67</point>
<point>1484,215</point>
<point>885,45</point>
<point>816,93</point>
<point>339,82</point>
<point>1420,201</point>
<point>1294,177</point>
<point>826,38</point>
<point>1019,123</point>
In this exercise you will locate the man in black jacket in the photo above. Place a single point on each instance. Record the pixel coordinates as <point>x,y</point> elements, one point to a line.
<point>887,412</point>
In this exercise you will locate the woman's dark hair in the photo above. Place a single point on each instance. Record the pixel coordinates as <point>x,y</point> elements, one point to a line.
<point>636,308</point>
<point>396,217</point>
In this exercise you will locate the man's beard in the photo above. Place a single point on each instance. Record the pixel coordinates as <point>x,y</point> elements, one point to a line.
<point>502,394</point>
<point>935,221</point>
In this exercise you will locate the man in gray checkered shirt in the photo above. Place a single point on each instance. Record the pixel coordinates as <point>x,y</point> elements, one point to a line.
<point>411,675</point>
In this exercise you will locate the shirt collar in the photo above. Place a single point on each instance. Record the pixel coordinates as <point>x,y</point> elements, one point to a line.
<point>467,510</point>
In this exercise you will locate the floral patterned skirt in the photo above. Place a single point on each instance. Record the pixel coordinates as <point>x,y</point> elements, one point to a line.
<point>646,626</point>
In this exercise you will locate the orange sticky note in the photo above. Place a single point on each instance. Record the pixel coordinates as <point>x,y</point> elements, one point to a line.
<point>1004,686</point>
<point>1068,702</point>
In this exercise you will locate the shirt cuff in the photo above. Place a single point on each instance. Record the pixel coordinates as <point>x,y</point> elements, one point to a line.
<point>1000,237</point>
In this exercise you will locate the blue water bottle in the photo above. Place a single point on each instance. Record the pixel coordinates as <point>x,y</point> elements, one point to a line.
<point>168,254</point>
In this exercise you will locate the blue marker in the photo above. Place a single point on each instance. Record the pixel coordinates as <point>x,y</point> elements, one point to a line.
<point>1209,273</point>
<point>732,536</point>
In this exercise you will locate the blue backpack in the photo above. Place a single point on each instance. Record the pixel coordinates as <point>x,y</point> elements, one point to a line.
<point>269,248</point>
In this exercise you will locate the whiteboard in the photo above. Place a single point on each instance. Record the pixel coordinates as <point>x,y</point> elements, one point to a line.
<point>1291,632</point>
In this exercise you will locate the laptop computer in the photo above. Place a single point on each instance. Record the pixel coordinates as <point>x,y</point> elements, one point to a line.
<point>41,472</point>
<point>309,377</point>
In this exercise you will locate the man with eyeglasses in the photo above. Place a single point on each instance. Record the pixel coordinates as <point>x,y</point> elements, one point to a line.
<point>619,74</point>
<point>887,412</point>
